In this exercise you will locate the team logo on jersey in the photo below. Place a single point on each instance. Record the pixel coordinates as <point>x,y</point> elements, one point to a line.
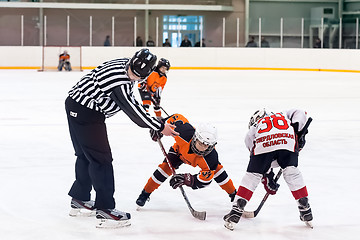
<point>206,174</point>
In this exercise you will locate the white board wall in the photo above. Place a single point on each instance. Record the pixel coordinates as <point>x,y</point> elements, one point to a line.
<point>241,58</point>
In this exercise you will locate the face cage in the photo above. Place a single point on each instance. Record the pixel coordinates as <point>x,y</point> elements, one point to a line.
<point>158,69</point>
<point>201,153</point>
<point>253,121</point>
<point>164,65</point>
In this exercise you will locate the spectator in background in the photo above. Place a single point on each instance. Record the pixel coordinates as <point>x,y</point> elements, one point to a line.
<point>264,43</point>
<point>139,42</point>
<point>251,42</point>
<point>186,42</point>
<point>198,43</point>
<point>317,43</point>
<point>167,43</point>
<point>150,43</point>
<point>107,41</point>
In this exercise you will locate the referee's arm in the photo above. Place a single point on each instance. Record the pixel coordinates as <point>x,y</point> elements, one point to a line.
<point>123,97</point>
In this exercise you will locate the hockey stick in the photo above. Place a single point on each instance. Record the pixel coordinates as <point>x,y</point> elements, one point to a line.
<point>153,100</point>
<point>253,214</point>
<point>307,124</point>
<point>164,110</point>
<point>196,214</point>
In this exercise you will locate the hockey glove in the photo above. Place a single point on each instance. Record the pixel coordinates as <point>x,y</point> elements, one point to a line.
<point>269,183</point>
<point>182,179</point>
<point>232,196</point>
<point>142,86</point>
<point>157,96</point>
<point>155,135</point>
<point>301,142</point>
<point>301,135</point>
<point>156,101</point>
<point>158,92</point>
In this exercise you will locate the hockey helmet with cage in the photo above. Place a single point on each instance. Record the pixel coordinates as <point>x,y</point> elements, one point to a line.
<point>258,114</point>
<point>163,62</point>
<point>143,63</point>
<point>207,135</point>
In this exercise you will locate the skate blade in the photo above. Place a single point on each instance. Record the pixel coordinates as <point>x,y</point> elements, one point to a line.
<point>112,224</point>
<point>76,212</point>
<point>309,224</point>
<point>229,225</point>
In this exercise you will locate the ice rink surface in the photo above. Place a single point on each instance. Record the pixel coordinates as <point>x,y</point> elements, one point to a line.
<point>37,159</point>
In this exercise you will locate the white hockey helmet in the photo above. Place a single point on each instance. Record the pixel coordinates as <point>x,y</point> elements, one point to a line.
<point>258,114</point>
<point>206,134</point>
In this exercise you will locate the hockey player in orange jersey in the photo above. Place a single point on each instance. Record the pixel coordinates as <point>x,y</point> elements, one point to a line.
<point>151,89</point>
<point>64,61</point>
<point>195,147</point>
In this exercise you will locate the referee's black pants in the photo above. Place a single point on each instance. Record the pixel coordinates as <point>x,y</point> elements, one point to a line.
<point>93,167</point>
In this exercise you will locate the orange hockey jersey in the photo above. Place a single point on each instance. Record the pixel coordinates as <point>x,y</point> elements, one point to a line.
<point>154,81</point>
<point>209,164</point>
<point>64,57</point>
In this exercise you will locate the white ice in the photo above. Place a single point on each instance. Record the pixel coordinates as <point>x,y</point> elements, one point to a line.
<point>37,159</point>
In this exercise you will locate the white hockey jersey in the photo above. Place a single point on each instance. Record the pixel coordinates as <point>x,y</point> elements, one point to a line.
<point>274,132</point>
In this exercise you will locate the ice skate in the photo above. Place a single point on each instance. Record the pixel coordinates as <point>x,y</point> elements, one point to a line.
<point>305,211</point>
<point>112,218</point>
<point>234,215</point>
<point>142,199</point>
<point>82,208</point>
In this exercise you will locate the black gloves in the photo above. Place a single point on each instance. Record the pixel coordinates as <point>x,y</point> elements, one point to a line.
<point>301,135</point>
<point>157,97</point>
<point>156,101</point>
<point>142,86</point>
<point>302,141</point>
<point>269,183</point>
<point>182,179</point>
<point>155,135</point>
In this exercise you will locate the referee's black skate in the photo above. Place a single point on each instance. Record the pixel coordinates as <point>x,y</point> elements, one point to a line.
<point>112,218</point>
<point>82,208</point>
<point>143,198</point>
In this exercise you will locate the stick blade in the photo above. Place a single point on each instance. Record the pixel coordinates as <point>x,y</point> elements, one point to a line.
<point>247,214</point>
<point>199,215</point>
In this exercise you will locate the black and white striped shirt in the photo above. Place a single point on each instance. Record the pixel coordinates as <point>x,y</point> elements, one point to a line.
<point>107,89</point>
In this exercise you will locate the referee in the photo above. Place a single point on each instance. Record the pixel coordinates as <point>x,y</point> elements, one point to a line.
<point>98,95</point>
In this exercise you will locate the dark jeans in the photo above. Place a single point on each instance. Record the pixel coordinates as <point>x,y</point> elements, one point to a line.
<point>93,167</point>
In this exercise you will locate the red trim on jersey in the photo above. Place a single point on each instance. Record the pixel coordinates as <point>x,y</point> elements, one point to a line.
<point>244,193</point>
<point>302,192</point>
